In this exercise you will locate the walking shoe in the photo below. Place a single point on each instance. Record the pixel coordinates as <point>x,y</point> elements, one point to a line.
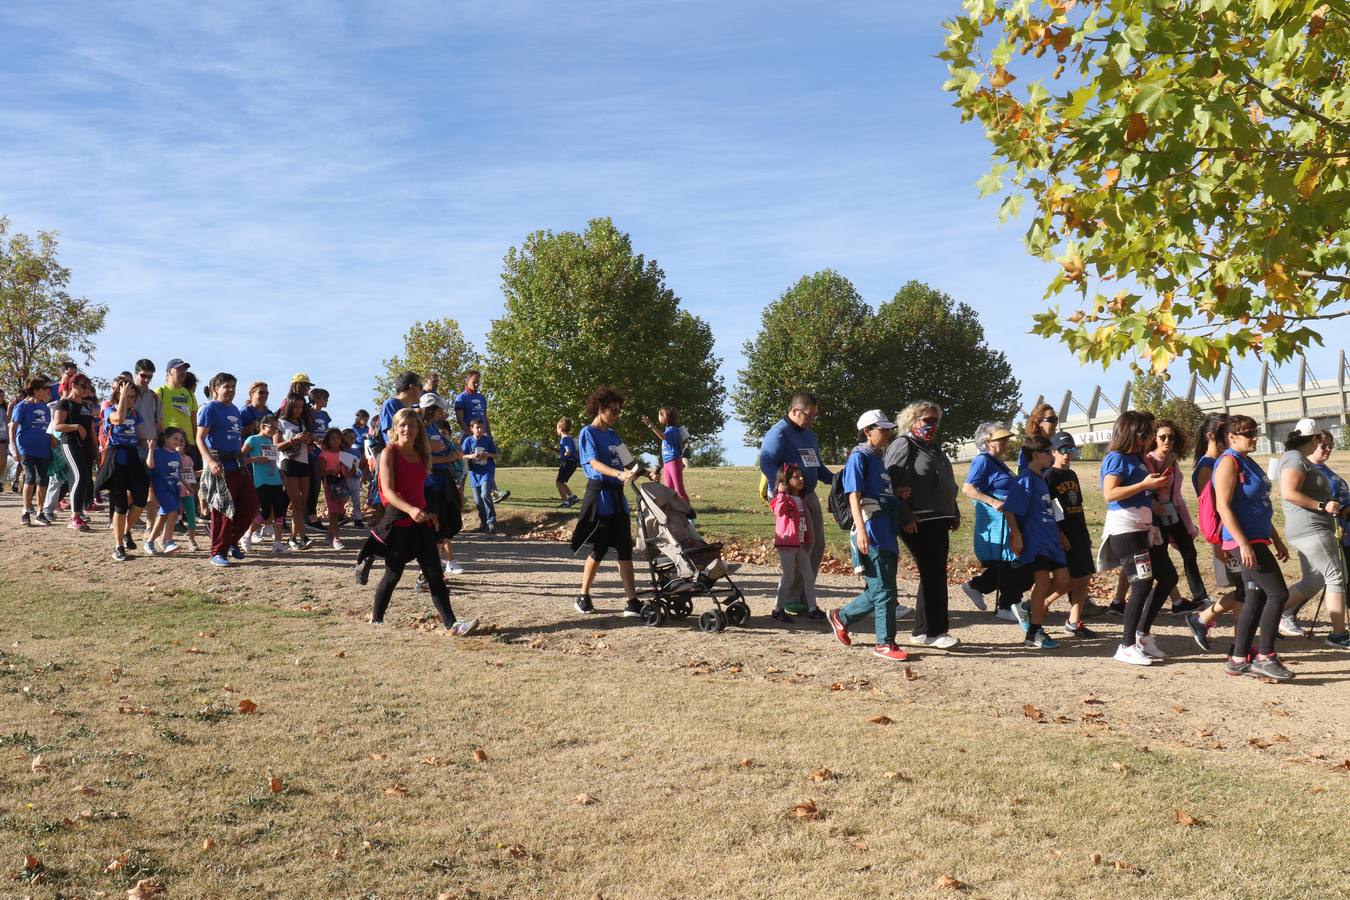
<point>1022,612</point>
<point>890,652</point>
<point>170,548</point>
<point>306,542</point>
<point>1199,631</point>
<point>779,616</point>
<point>976,598</point>
<point>218,560</point>
<point>1040,640</point>
<point>338,545</point>
<point>463,627</point>
<point>237,552</point>
<point>583,604</point>
<point>119,554</point>
<point>943,641</point>
<point>363,569</point>
<point>278,548</point>
<point>247,540</point>
<point>151,548</point>
<point>1290,628</point>
<point>573,500</point>
<point>293,544</point>
<point>1005,614</point>
<point>361,523</point>
<point>1116,609</point>
<point>77,524</point>
<point>901,610</point>
<point>914,640</point>
<point>421,586</point>
<point>1270,667</point>
<point>1341,640</point>
<point>632,610</point>
<point>840,629</point>
<point>44,518</point>
<point>1133,655</point>
<point>1146,643</point>
<point>453,567</point>
<point>1182,607</point>
<point>501,497</point>
<point>1080,630</point>
<point>491,529</point>
<point>130,544</point>
<point>816,614</point>
<point>1236,666</point>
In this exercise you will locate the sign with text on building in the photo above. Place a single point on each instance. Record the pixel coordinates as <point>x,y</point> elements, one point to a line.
<point>1093,437</point>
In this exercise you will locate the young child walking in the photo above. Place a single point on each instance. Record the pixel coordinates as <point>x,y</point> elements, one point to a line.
<point>335,467</point>
<point>481,455</point>
<point>164,462</point>
<point>792,538</point>
<point>1066,495</point>
<point>261,453</point>
<point>672,449</point>
<point>1036,540</point>
<point>567,463</point>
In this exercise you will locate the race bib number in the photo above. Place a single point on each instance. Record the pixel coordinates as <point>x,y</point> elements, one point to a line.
<point>1059,510</point>
<point>271,454</point>
<point>809,458</point>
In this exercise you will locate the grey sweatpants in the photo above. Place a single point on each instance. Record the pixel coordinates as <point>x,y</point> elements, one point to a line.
<point>798,578</point>
<point>816,528</point>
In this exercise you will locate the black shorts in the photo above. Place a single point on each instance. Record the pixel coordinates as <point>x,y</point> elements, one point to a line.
<point>612,532</point>
<point>1042,564</point>
<point>35,470</point>
<point>272,501</point>
<point>1081,560</point>
<point>295,469</point>
<point>566,471</point>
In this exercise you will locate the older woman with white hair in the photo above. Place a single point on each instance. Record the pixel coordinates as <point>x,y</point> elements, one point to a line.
<point>988,483</point>
<point>921,477</point>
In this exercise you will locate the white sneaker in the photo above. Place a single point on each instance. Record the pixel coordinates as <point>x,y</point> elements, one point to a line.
<point>912,640</point>
<point>1146,643</point>
<point>901,610</point>
<point>246,542</point>
<point>1021,613</point>
<point>1290,628</point>
<point>943,642</point>
<point>1132,655</point>
<point>169,548</point>
<point>452,567</point>
<point>267,532</point>
<point>278,548</point>
<point>976,598</point>
<point>1006,615</point>
<point>338,545</point>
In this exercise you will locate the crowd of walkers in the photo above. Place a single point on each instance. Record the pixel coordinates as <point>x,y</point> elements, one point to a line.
<point>156,458</point>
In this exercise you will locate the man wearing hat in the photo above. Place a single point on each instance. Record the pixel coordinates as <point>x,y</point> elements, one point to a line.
<point>178,405</point>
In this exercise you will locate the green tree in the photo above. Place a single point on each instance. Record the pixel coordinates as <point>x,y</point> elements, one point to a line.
<point>437,345</point>
<point>584,310</point>
<point>927,346</point>
<point>1186,160</point>
<point>40,322</point>
<point>1149,393</point>
<point>812,339</point>
<point>709,454</point>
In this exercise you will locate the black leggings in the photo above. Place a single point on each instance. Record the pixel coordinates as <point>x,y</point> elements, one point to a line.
<point>403,546</point>
<point>128,478</point>
<point>1185,545</point>
<point>1147,595</point>
<point>81,474</point>
<point>1001,577</point>
<point>929,546</point>
<point>372,548</point>
<point>1266,596</point>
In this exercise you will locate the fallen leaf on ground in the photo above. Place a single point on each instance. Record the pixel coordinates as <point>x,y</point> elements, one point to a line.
<point>340,654</point>
<point>379,756</point>
<point>821,774</point>
<point>1178,709</point>
<point>146,887</point>
<point>38,766</point>
<point>1279,712</point>
<point>480,755</point>
<point>858,843</point>
<point>1056,854</point>
<point>117,864</point>
<point>1095,859</point>
<point>807,809</point>
<point>1032,712</point>
<point>396,790</point>
<point>1317,754</point>
<point>31,863</point>
<point>897,776</point>
<point>230,689</point>
<point>1093,701</point>
<point>880,720</point>
<point>838,686</point>
<point>518,851</point>
<point>1120,767</point>
<point>433,761</point>
<point>586,799</point>
<point>206,634</point>
<point>911,675</point>
<point>85,789</point>
<point>247,706</point>
<point>1280,739</point>
<point>209,843</point>
<point>1185,819</point>
<point>85,815</point>
<point>1129,868</point>
<point>192,650</point>
<point>275,784</point>
<point>746,763</point>
<point>950,883</point>
<point>338,855</point>
<point>1317,789</point>
<point>1258,743</point>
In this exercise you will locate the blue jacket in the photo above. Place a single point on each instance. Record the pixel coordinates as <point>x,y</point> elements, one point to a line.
<point>786,443</point>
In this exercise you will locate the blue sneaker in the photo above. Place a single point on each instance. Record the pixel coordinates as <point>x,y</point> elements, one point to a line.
<point>237,552</point>
<point>219,560</point>
<point>1022,612</point>
<point>1041,640</point>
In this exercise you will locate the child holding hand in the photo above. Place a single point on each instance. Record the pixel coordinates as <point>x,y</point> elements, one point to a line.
<point>792,538</point>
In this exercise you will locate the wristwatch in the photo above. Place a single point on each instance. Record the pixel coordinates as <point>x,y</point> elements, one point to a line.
<point>1321,506</point>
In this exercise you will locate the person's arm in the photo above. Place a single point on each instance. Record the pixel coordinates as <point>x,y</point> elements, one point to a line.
<point>1014,532</point>
<point>389,486</point>
<point>646,420</point>
<point>1291,489</point>
<point>60,423</point>
<point>901,473</point>
<point>1113,490</point>
<point>859,524</point>
<point>624,475</point>
<point>215,467</point>
<point>249,448</point>
<point>14,439</point>
<point>1225,486</point>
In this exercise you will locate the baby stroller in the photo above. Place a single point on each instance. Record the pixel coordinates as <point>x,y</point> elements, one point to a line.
<point>682,564</point>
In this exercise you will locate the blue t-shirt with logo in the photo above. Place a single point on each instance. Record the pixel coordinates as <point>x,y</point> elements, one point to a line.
<point>1131,470</point>
<point>671,442</point>
<point>387,413</point>
<point>567,449</point>
<point>248,415</point>
<point>164,476</point>
<point>865,474</point>
<point>440,445</point>
<point>474,406</point>
<point>480,471</point>
<point>359,447</point>
<point>33,418</point>
<point>223,433</point>
<point>322,422</point>
<point>1035,518</point>
<point>124,435</point>
<point>990,475</point>
<point>602,444</point>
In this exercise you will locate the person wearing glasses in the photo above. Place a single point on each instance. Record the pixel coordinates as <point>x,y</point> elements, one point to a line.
<point>1209,445</point>
<point>1242,500</point>
<point>251,416</point>
<point>922,481</point>
<point>1171,510</point>
<point>1043,421</point>
<point>988,483</point>
<point>1130,538</point>
<point>791,440</point>
<point>1308,498</point>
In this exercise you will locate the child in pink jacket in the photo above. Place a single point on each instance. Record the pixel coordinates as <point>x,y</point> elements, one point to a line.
<point>792,537</point>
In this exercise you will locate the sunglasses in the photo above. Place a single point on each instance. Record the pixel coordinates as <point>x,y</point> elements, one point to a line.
<point>1249,435</point>
<point>1054,419</point>
<point>1168,438</point>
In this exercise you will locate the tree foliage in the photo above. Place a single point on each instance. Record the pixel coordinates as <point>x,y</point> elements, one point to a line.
<point>584,310</point>
<point>820,336</point>
<point>437,345</point>
<point>41,324</point>
<point>1186,160</point>
<point>1149,393</point>
<point>708,454</point>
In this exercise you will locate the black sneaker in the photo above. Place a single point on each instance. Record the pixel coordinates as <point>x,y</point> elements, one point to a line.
<point>779,615</point>
<point>119,554</point>
<point>817,613</point>
<point>1270,667</point>
<point>1116,609</point>
<point>1079,630</point>
<point>1182,607</point>
<point>131,545</point>
<point>1340,640</point>
<point>363,569</point>
<point>633,610</point>
<point>43,518</point>
<point>26,518</point>
<point>1199,631</point>
<point>583,604</point>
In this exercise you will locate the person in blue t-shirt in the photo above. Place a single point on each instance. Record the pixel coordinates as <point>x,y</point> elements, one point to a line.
<point>988,484</point>
<point>603,519</point>
<point>480,454</point>
<point>1037,540</point>
<point>220,441</point>
<point>874,541</point>
<point>672,449</point>
<point>471,405</point>
<point>123,473</point>
<point>164,462</point>
<point>32,445</point>
<point>319,415</point>
<point>567,463</point>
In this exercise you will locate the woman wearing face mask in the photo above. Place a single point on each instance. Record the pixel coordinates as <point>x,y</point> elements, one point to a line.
<point>925,488</point>
<point>1310,511</point>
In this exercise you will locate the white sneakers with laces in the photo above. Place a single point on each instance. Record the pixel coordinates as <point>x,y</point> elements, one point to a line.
<point>1133,655</point>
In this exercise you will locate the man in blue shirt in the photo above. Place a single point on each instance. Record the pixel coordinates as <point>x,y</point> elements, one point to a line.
<point>791,440</point>
<point>470,406</point>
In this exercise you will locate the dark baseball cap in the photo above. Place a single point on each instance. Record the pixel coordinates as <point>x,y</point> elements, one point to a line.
<point>176,363</point>
<point>1063,441</point>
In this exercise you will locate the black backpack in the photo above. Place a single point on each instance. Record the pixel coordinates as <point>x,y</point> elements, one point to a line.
<point>837,503</point>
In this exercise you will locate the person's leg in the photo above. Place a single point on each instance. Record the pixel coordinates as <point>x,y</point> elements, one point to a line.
<point>929,547</point>
<point>1164,579</point>
<point>397,554</point>
<point>674,470</point>
<point>311,497</point>
<point>863,604</point>
<point>1195,582</point>
<point>886,600</point>
<point>74,456</point>
<point>29,469</point>
<point>299,489</point>
<point>987,581</point>
<point>1078,594</point>
<point>563,492</point>
<point>808,578</point>
<point>1132,550</point>
<point>429,561</point>
<point>354,492</point>
<point>815,520</point>
<point>245,503</point>
<point>788,576</point>
<point>589,568</point>
<point>1271,581</point>
<point>490,505</point>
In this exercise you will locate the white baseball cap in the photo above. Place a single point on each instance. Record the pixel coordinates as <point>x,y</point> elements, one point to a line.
<point>874,418</point>
<point>1305,426</point>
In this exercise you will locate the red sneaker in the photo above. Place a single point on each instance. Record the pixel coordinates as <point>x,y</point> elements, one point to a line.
<point>891,652</point>
<point>840,629</point>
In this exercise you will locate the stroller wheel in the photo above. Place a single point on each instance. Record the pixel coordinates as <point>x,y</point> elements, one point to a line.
<point>681,607</point>
<point>738,612</point>
<point>651,613</point>
<point>712,621</point>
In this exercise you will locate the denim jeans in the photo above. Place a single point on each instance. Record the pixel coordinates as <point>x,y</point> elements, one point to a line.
<point>878,599</point>
<point>482,500</point>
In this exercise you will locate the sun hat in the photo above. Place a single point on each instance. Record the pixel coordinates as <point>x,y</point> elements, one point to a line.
<point>874,418</point>
<point>999,434</point>
<point>300,378</point>
<point>431,398</point>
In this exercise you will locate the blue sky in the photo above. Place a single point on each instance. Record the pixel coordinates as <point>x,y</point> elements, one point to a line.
<point>265,188</point>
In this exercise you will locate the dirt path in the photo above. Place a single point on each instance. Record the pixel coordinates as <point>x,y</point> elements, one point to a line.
<point>522,591</point>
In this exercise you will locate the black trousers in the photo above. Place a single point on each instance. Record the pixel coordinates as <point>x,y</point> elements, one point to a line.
<point>1266,594</point>
<point>1185,545</point>
<point>1147,595</point>
<point>403,546</point>
<point>1003,578</point>
<point>930,546</point>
